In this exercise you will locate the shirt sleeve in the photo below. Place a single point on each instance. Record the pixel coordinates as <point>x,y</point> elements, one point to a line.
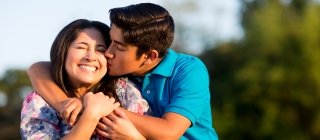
<point>38,119</point>
<point>190,89</point>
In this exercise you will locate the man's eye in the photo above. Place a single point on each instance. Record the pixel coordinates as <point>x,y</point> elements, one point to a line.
<point>121,48</point>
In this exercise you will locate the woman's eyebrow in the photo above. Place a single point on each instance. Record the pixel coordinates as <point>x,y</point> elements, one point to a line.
<point>84,43</point>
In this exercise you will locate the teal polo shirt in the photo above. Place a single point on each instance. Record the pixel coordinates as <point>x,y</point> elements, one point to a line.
<point>180,84</point>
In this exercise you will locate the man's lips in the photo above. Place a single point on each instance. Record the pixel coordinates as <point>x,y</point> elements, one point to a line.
<point>109,65</point>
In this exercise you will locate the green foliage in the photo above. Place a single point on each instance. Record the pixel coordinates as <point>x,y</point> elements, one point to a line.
<point>267,85</point>
<point>14,84</point>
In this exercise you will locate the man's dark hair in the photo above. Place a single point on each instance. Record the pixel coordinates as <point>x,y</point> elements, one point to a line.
<point>146,25</point>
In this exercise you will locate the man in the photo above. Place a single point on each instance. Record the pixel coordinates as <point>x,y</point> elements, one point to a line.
<point>175,85</point>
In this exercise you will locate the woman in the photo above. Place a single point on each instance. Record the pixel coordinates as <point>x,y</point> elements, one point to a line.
<point>78,67</point>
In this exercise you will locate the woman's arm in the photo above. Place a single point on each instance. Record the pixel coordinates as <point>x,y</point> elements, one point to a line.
<point>40,121</point>
<point>41,80</point>
<point>96,106</point>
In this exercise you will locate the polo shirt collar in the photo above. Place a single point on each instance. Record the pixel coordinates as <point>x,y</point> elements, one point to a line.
<point>166,66</point>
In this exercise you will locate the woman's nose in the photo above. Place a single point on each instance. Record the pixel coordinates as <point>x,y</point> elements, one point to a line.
<point>90,56</point>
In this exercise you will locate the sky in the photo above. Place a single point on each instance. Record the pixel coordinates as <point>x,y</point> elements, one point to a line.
<point>28,28</point>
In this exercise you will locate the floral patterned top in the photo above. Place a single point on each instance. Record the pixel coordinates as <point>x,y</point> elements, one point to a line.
<point>41,121</point>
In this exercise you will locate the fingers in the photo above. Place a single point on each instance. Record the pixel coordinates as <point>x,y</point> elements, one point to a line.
<point>102,133</point>
<point>103,127</point>
<point>101,95</point>
<point>74,115</point>
<point>66,111</point>
<point>116,105</point>
<point>115,126</point>
<point>71,109</point>
<point>88,94</point>
<point>111,101</point>
<point>112,117</point>
<point>120,114</point>
<point>99,104</point>
<point>105,122</point>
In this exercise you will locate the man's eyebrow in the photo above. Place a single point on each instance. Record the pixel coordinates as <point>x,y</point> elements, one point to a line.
<point>121,43</point>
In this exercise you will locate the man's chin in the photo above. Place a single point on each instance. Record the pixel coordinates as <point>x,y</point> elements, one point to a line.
<point>113,74</point>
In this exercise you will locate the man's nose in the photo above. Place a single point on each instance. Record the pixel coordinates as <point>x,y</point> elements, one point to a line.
<point>109,52</point>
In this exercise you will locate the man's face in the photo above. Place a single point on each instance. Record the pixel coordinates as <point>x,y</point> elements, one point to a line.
<point>122,56</point>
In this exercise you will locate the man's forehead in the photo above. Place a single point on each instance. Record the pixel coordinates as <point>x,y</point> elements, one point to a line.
<point>116,34</point>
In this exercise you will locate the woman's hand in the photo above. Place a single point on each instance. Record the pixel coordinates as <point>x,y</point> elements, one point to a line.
<point>69,110</point>
<point>118,126</point>
<point>99,104</point>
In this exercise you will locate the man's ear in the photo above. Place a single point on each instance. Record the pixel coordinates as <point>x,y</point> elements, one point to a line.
<point>151,56</point>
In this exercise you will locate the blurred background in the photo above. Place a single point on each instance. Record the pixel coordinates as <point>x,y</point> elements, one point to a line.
<point>263,58</point>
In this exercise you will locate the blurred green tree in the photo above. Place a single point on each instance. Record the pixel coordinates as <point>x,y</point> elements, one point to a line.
<point>14,84</point>
<point>266,86</point>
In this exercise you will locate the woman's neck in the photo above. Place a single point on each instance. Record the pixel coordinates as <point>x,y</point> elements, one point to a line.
<point>81,91</point>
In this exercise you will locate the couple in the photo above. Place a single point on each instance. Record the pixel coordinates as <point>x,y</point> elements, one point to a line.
<point>140,39</point>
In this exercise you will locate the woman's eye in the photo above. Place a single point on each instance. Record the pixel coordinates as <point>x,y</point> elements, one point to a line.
<point>101,49</point>
<point>81,47</point>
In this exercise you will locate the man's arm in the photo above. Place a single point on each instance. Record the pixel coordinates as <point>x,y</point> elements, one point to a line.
<point>170,126</point>
<point>120,125</point>
<point>189,100</point>
<point>41,80</point>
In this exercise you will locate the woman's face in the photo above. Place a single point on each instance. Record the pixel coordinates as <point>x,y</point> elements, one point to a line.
<point>85,62</point>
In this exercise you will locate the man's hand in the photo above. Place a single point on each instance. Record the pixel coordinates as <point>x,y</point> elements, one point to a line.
<point>69,110</point>
<point>118,126</point>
